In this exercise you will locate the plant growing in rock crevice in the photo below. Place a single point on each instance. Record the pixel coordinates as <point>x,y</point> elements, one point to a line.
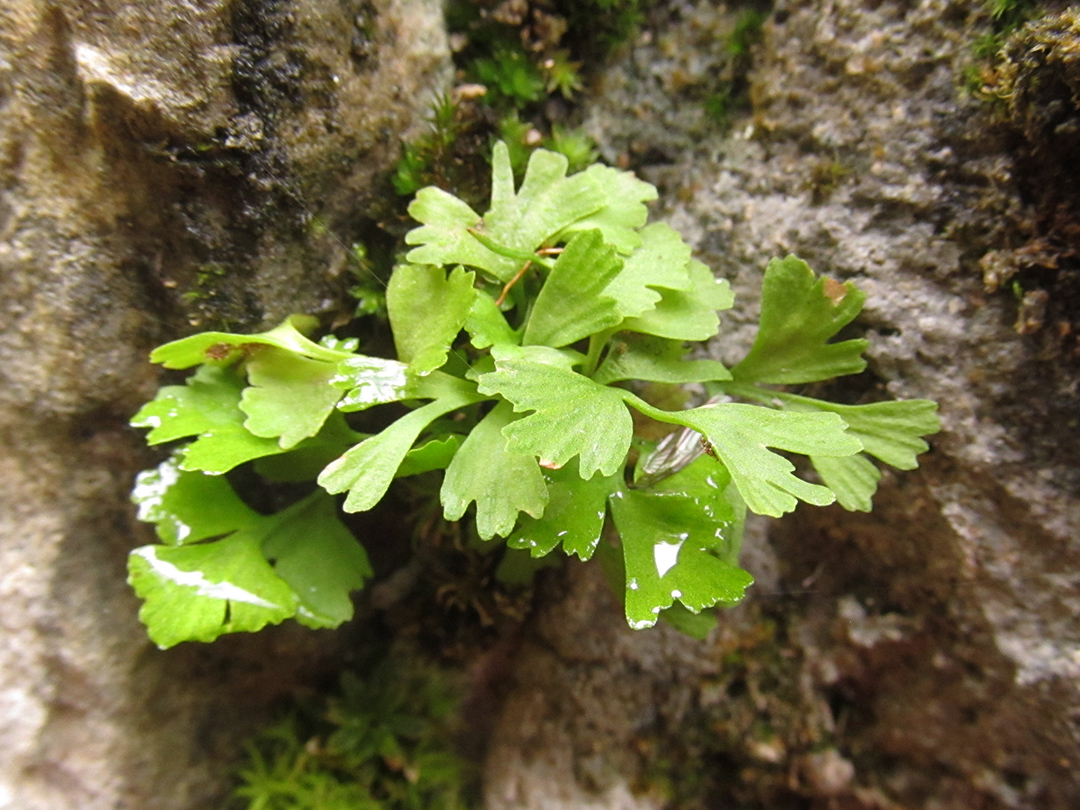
<point>522,338</point>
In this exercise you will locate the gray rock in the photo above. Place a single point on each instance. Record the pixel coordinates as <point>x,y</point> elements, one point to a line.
<point>925,655</point>
<point>163,167</point>
<point>206,164</point>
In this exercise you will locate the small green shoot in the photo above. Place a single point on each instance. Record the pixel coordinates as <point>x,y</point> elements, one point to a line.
<point>577,147</point>
<point>419,165</point>
<point>562,75</point>
<point>510,76</point>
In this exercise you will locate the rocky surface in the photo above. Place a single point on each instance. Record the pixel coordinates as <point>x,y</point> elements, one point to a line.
<point>208,163</point>
<point>925,655</point>
<point>162,166</point>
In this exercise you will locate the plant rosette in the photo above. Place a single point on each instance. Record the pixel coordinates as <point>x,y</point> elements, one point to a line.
<point>527,339</point>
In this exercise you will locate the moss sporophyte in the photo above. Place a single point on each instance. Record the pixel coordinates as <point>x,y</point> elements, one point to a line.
<point>525,338</point>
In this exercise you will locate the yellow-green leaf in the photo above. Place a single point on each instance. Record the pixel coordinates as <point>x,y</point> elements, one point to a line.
<point>501,481</point>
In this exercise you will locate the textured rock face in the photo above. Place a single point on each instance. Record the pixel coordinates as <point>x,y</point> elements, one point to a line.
<point>162,166</point>
<point>204,162</point>
<point>925,655</point>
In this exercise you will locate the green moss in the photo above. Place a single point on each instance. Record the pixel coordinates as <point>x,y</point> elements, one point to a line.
<point>207,299</point>
<point>515,58</point>
<point>825,177</point>
<point>208,278</point>
<point>510,78</point>
<point>384,742</point>
<point>520,138</point>
<point>1009,14</point>
<point>718,107</point>
<point>1034,84</point>
<point>1039,79</point>
<point>425,159</point>
<point>987,45</point>
<point>604,25</point>
<point>731,94</point>
<point>562,75</point>
<point>746,33</point>
<point>979,76</point>
<point>578,147</point>
<point>370,288</point>
<point>734,749</point>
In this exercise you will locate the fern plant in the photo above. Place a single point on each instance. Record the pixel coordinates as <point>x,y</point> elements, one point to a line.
<point>527,341</point>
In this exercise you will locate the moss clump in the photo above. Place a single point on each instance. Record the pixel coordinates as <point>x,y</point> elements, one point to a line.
<point>732,95</point>
<point>385,742</point>
<point>1005,17</point>
<point>1039,81</point>
<point>521,66</point>
<point>1036,84</point>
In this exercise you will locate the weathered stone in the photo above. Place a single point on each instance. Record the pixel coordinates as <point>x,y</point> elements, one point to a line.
<point>200,164</point>
<point>925,655</point>
<point>162,166</point>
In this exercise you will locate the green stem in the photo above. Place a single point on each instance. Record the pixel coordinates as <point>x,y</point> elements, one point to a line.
<point>522,306</point>
<point>670,417</point>
<point>509,252</point>
<point>597,342</point>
